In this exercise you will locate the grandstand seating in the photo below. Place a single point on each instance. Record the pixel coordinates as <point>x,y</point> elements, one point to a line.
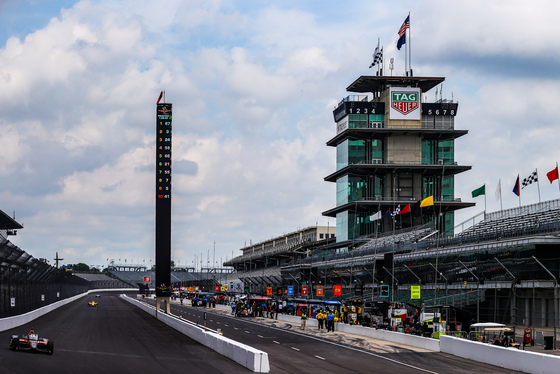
<point>100,281</point>
<point>516,220</point>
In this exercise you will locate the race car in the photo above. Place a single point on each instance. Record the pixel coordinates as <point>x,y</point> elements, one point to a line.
<point>31,342</point>
<point>92,303</point>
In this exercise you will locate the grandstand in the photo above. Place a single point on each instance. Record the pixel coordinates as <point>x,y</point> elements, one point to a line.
<point>27,283</point>
<point>206,279</point>
<point>101,281</point>
<point>504,268</point>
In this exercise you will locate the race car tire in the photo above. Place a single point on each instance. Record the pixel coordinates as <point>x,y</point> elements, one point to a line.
<point>13,344</point>
<point>50,347</point>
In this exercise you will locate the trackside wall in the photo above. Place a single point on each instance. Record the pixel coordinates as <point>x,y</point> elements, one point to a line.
<point>249,357</point>
<point>527,362</point>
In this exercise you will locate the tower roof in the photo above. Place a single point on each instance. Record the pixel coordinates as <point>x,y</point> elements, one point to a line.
<point>379,83</point>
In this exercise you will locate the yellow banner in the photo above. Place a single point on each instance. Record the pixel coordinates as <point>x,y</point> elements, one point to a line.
<point>415,292</point>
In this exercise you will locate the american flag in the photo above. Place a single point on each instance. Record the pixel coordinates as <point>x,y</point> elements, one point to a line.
<point>530,179</point>
<point>405,25</point>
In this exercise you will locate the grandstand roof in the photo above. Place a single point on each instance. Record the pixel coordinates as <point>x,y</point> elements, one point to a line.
<point>8,223</point>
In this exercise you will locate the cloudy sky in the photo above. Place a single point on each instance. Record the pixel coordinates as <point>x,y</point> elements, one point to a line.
<point>253,85</point>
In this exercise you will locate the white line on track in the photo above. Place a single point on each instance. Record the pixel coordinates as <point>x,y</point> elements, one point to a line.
<point>320,358</point>
<point>260,336</point>
<point>274,341</point>
<point>336,344</point>
<point>295,349</point>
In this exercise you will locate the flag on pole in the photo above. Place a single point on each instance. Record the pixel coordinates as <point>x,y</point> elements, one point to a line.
<point>530,179</point>
<point>427,202</point>
<point>553,174</point>
<point>159,98</point>
<point>406,209</point>
<point>387,213</point>
<point>516,188</point>
<point>498,192</point>
<point>479,191</point>
<point>397,211</point>
<point>377,55</point>
<point>374,217</point>
<point>402,32</point>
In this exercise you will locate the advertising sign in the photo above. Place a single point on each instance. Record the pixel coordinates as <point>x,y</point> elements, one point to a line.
<point>147,279</point>
<point>304,290</point>
<point>269,291</point>
<point>384,290</point>
<point>414,292</point>
<point>404,103</point>
<point>358,290</point>
<point>337,290</point>
<point>290,290</point>
<point>319,290</point>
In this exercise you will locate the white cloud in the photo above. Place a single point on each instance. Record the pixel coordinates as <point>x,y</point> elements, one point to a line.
<point>253,88</point>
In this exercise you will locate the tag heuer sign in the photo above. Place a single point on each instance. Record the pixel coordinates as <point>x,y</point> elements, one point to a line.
<point>405,103</point>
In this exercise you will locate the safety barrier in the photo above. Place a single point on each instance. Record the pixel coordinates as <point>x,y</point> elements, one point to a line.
<point>249,357</point>
<point>509,358</point>
<point>392,336</point>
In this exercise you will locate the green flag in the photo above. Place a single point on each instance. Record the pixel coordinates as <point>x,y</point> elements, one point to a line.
<point>479,191</point>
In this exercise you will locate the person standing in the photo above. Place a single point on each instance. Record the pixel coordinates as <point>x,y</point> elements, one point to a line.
<point>321,316</point>
<point>303,319</point>
<point>330,322</point>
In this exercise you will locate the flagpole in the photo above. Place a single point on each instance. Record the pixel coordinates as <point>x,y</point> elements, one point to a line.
<point>519,190</point>
<point>485,199</point>
<point>405,55</point>
<point>501,202</point>
<point>557,178</point>
<point>538,185</point>
<point>409,46</point>
<point>382,63</point>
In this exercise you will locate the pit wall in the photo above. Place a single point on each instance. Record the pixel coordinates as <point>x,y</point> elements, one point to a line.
<point>395,337</point>
<point>249,357</point>
<point>514,359</point>
<point>19,320</point>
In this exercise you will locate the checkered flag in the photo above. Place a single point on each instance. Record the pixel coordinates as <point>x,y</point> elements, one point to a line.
<point>396,212</point>
<point>377,56</point>
<point>530,179</point>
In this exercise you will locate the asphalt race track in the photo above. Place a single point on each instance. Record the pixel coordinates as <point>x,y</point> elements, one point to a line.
<point>117,337</point>
<point>292,351</point>
<point>114,337</point>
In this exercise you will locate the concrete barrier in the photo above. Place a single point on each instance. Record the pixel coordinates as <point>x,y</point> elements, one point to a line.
<point>508,358</point>
<point>391,336</point>
<point>249,357</point>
